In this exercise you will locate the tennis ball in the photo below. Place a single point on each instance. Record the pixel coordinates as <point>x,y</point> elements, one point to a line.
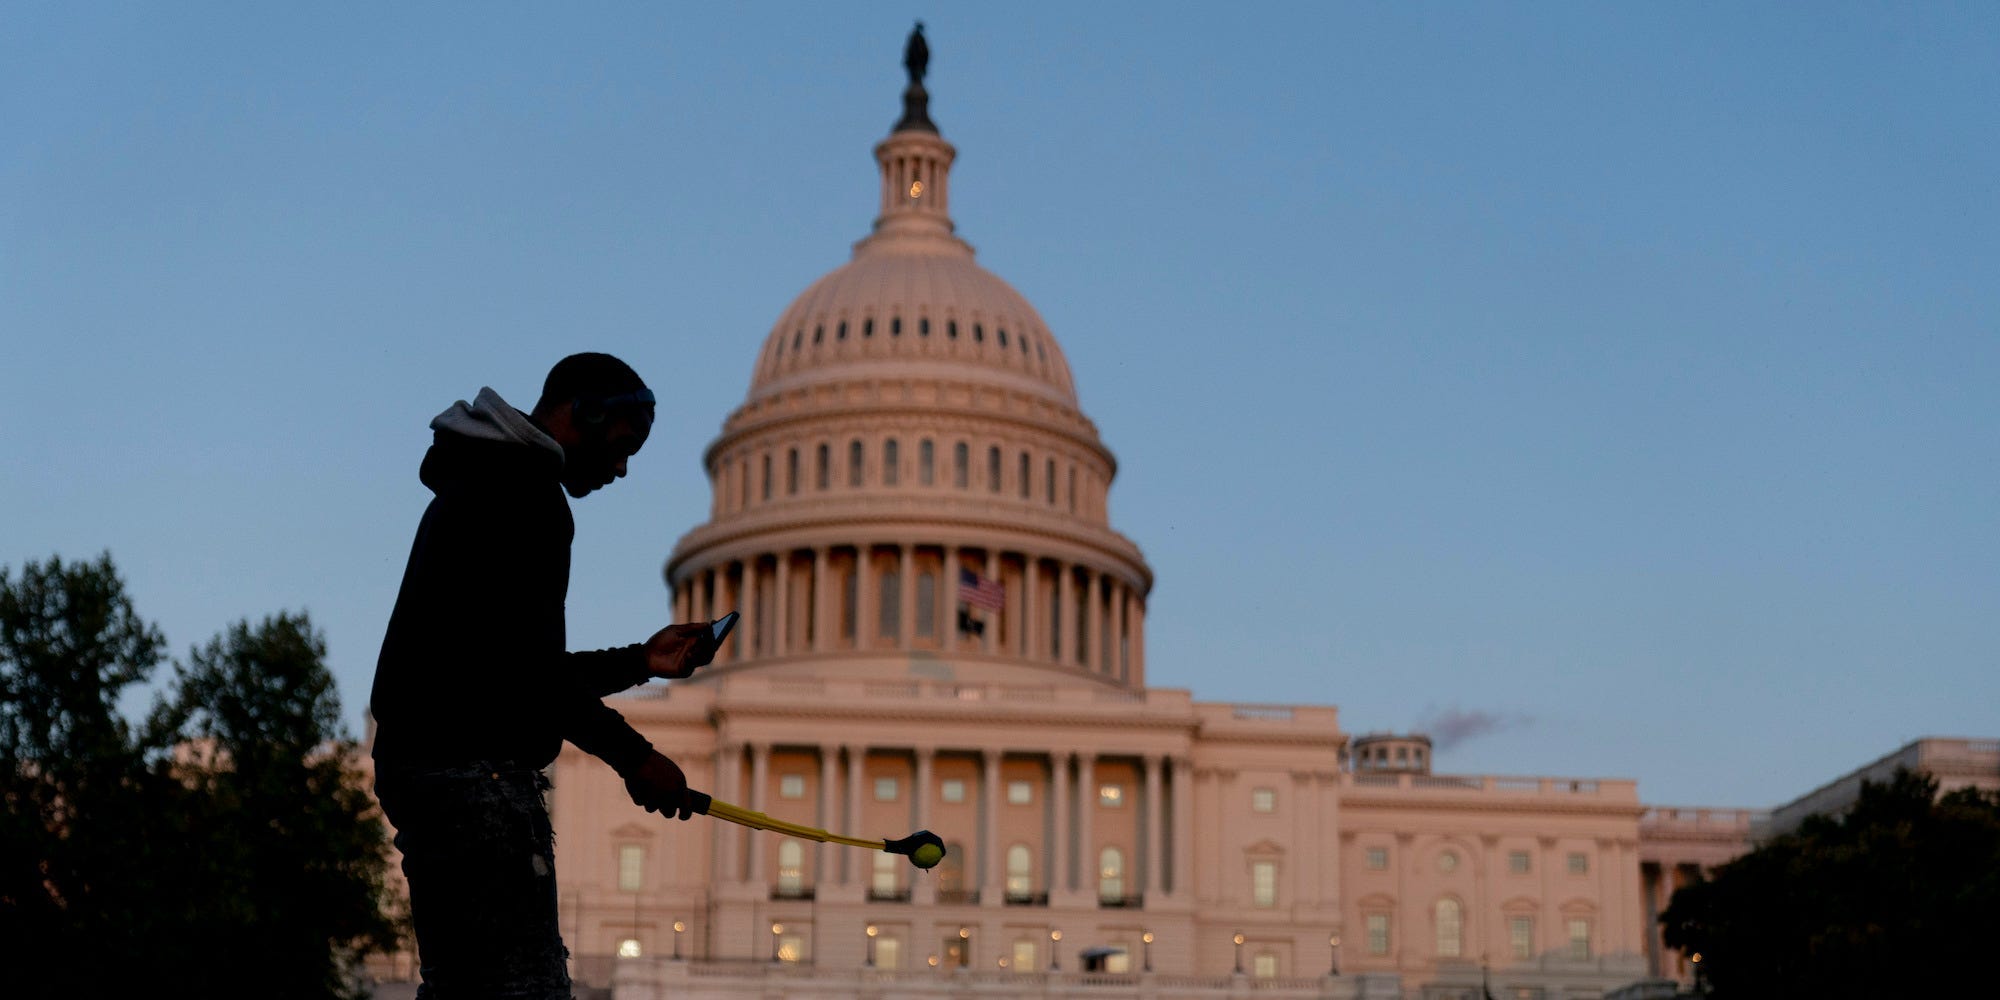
<point>927,856</point>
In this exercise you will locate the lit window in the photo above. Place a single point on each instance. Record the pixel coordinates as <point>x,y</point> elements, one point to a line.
<point>1264,965</point>
<point>1517,862</point>
<point>885,789</point>
<point>952,790</point>
<point>1378,934</point>
<point>1378,859</point>
<point>888,953</point>
<point>631,867</point>
<point>1579,938</point>
<point>1448,862</point>
<point>1020,872</point>
<point>792,786</point>
<point>791,868</point>
<point>1020,793</point>
<point>1111,796</point>
<point>791,947</point>
<point>1521,936</point>
<point>883,882</point>
<point>1118,961</point>
<point>1579,863</point>
<point>1263,800</point>
<point>1450,936</point>
<point>1111,874</point>
<point>1024,956</point>
<point>1264,883</point>
<point>628,948</point>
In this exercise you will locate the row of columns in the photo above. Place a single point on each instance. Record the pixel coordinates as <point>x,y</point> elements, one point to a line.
<point>1165,827</point>
<point>1114,628</point>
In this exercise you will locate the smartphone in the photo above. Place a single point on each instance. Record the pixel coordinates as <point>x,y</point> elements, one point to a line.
<point>720,627</point>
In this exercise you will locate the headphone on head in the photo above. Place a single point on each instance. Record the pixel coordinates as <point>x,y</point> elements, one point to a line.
<point>595,410</point>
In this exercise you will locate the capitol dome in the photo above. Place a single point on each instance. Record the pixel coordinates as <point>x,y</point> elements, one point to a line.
<point>910,482</point>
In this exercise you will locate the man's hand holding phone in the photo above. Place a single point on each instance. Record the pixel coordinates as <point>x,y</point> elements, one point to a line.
<point>677,651</point>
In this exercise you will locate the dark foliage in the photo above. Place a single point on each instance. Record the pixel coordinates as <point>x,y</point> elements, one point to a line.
<point>1899,897</point>
<point>224,849</point>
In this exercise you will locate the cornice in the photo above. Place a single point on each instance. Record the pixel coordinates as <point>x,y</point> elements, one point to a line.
<point>1569,806</point>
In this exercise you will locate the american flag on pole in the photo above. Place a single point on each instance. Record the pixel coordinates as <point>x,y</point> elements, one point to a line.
<point>979,592</point>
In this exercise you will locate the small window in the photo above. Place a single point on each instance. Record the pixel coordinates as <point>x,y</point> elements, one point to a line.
<point>1265,965</point>
<point>925,453</point>
<point>951,328</point>
<point>629,948</point>
<point>791,867</point>
<point>1020,793</point>
<point>1049,481</point>
<point>889,458</point>
<point>791,947</point>
<point>819,334</point>
<point>1111,796</point>
<point>1378,933</point>
<point>822,457</point>
<point>885,789</point>
<point>766,489</point>
<point>923,326</point>
<point>1003,337</point>
<point>792,470</point>
<point>1263,800</point>
<point>631,867</point>
<point>1264,884</point>
<point>888,953</point>
<point>1024,956</point>
<point>1579,863</point>
<point>1025,464</point>
<point>856,460</point>
<point>1378,859</point>
<point>1448,862</point>
<point>1450,929</point>
<point>1579,938</point>
<point>1517,862</point>
<point>961,462</point>
<point>952,790</point>
<point>993,469</point>
<point>895,326</point>
<point>797,335</point>
<point>842,334</point>
<point>978,335</point>
<point>792,786</point>
<point>868,327</point>
<point>1521,936</point>
<point>882,881</point>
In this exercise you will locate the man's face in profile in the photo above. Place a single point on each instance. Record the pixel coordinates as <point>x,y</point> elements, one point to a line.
<point>599,456</point>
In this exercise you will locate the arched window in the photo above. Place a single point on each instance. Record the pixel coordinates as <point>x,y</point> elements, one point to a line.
<point>993,468</point>
<point>1020,872</point>
<point>890,458</point>
<point>792,470</point>
<point>855,455</point>
<point>791,868</point>
<point>925,453</point>
<point>961,464</point>
<point>951,873</point>
<point>926,603</point>
<point>1111,875</point>
<point>742,485</point>
<point>1450,929</point>
<point>766,490</point>
<point>890,605</point>
<point>1025,464</point>
<point>1072,489</point>
<point>1049,481</point>
<point>819,470</point>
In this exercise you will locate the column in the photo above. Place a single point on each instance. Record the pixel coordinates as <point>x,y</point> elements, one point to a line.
<point>947,610</point>
<point>781,642</point>
<point>829,777</point>
<point>852,871</point>
<point>989,837</point>
<point>1137,629</point>
<point>1183,850</point>
<point>1307,875</point>
<point>681,600</point>
<point>749,646</point>
<point>1086,807</point>
<point>728,763</point>
<point>1121,597</point>
<point>1030,570</point>
<point>920,796</point>
<point>1552,936</point>
<point>823,624</point>
<point>1059,825</point>
<point>864,596</point>
<point>906,595</point>
<point>760,776</point>
<point>1154,833</point>
<point>991,637</point>
<point>699,595</point>
<point>1093,651</point>
<point>1065,613</point>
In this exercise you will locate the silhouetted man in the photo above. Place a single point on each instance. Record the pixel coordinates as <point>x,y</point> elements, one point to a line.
<point>475,693</point>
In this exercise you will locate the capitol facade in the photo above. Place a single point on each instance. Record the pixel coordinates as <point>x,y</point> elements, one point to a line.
<point>943,630</point>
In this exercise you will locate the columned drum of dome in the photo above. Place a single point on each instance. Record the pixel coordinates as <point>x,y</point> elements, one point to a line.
<point>910,484</point>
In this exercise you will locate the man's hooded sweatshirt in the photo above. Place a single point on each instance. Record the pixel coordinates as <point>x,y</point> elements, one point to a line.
<point>474,667</point>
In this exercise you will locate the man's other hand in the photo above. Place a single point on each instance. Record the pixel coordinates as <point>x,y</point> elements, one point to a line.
<point>659,785</point>
<point>678,650</point>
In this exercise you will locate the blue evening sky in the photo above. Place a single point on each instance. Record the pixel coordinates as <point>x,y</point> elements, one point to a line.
<point>1612,384</point>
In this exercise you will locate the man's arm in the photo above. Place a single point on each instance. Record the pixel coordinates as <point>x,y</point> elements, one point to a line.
<point>602,672</point>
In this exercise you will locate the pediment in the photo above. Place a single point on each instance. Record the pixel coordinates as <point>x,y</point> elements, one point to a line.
<point>632,831</point>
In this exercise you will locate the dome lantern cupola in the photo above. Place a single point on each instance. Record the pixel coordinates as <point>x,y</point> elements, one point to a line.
<point>916,168</point>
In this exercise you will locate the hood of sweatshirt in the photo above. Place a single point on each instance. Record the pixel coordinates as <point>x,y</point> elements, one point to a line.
<point>488,439</point>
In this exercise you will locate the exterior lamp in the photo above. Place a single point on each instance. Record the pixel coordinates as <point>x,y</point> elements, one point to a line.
<point>1239,952</point>
<point>1695,959</point>
<point>1147,940</point>
<point>964,947</point>
<point>1055,958</point>
<point>679,926</point>
<point>1333,947</point>
<point>776,929</point>
<point>872,931</point>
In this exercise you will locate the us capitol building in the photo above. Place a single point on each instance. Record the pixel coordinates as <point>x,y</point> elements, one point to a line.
<point>942,630</point>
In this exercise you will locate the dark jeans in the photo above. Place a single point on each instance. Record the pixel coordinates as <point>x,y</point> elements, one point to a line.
<point>479,855</point>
